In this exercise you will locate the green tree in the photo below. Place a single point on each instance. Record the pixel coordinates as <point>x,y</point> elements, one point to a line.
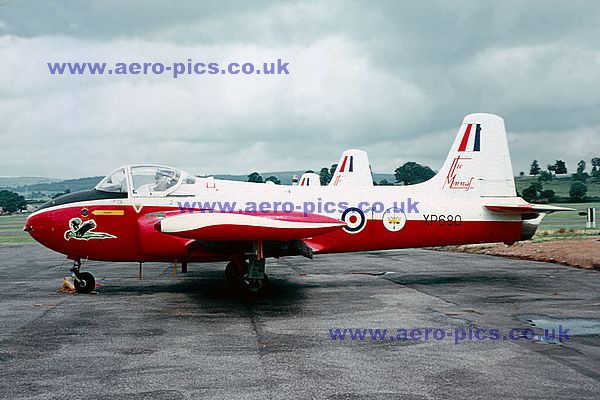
<point>273,179</point>
<point>596,169</point>
<point>11,201</point>
<point>324,176</point>
<point>255,178</point>
<point>412,172</point>
<point>332,169</point>
<point>577,191</point>
<point>522,174</point>
<point>532,192</point>
<point>535,168</point>
<point>560,167</point>
<point>529,194</point>
<point>545,176</point>
<point>548,194</point>
<point>581,177</point>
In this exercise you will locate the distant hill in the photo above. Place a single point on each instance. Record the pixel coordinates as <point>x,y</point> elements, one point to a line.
<point>391,178</point>
<point>56,186</point>
<point>12,182</point>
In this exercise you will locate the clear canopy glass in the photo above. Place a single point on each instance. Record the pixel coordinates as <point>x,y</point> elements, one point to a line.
<point>116,182</point>
<point>148,181</point>
<point>151,180</point>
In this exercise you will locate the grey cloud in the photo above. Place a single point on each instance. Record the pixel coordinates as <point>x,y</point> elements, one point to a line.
<point>112,19</point>
<point>395,78</point>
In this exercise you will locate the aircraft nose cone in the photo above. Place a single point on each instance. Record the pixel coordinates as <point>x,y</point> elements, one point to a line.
<point>28,225</point>
<point>45,229</point>
<point>37,226</point>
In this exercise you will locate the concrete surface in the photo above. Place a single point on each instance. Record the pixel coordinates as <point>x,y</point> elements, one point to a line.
<point>193,337</point>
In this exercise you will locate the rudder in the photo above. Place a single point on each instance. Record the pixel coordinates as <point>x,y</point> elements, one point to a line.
<point>479,161</point>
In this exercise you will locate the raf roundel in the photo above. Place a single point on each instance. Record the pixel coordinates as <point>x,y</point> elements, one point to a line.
<point>355,220</point>
<point>394,219</point>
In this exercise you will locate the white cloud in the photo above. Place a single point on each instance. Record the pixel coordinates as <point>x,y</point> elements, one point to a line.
<point>393,79</point>
<point>555,75</point>
<point>332,94</point>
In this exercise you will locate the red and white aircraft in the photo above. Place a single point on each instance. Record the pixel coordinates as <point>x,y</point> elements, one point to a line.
<point>152,213</point>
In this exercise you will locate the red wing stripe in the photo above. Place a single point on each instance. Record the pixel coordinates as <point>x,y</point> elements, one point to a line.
<point>465,139</point>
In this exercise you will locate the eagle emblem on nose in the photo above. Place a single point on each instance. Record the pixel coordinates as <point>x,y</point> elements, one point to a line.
<point>85,230</point>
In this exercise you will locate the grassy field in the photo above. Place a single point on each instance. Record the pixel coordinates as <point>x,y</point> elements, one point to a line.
<point>564,225</point>
<point>567,225</point>
<point>11,229</point>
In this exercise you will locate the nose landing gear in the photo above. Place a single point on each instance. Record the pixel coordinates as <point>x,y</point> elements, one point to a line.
<point>84,282</point>
<point>255,281</point>
<point>250,275</point>
<point>236,269</point>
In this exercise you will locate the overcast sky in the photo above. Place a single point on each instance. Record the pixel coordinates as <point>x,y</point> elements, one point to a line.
<point>393,78</point>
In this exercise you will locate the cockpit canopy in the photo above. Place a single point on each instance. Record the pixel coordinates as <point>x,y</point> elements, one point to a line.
<point>116,182</point>
<point>153,180</point>
<point>146,181</point>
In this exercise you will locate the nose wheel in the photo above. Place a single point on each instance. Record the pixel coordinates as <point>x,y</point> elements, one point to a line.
<point>256,285</point>
<point>236,269</point>
<point>84,282</point>
<point>249,275</point>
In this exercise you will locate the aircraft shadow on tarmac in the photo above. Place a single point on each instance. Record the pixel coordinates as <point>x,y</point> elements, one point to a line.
<point>474,278</point>
<point>203,287</point>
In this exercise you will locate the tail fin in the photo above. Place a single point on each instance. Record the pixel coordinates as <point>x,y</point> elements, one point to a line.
<point>310,179</point>
<point>479,159</point>
<point>353,170</point>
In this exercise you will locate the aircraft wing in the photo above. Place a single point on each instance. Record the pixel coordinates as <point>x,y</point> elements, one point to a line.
<point>525,208</point>
<point>218,226</point>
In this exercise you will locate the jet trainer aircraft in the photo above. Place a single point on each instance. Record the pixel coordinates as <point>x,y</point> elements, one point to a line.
<point>148,213</point>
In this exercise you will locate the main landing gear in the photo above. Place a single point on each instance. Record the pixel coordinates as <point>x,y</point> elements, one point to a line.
<point>84,282</point>
<point>250,275</point>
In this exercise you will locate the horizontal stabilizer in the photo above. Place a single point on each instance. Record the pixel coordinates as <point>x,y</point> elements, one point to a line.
<point>247,227</point>
<point>526,208</point>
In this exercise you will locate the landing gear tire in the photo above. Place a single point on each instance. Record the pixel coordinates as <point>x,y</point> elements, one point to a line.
<point>235,270</point>
<point>85,282</point>
<point>248,273</point>
<point>256,286</point>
